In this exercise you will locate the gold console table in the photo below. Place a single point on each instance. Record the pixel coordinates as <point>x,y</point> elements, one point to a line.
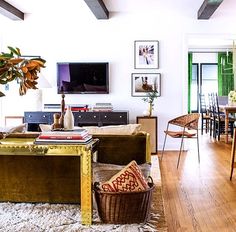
<point>26,147</point>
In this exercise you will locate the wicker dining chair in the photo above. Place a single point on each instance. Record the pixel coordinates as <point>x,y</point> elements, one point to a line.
<point>188,125</point>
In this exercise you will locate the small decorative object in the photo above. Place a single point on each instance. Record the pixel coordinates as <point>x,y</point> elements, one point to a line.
<point>69,119</point>
<point>142,83</point>
<point>61,120</point>
<point>232,98</point>
<point>25,71</point>
<point>146,54</point>
<point>56,121</point>
<point>151,96</point>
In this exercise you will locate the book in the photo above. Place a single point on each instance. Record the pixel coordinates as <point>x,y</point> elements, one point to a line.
<point>103,104</point>
<point>77,134</point>
<point>63,141</point>
<point>52,106</point>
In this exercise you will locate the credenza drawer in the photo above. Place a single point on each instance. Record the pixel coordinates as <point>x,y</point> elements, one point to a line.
<point>114,118</point>
<point>39,117</point>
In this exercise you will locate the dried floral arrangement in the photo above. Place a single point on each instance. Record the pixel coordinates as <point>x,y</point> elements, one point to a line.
<point>23,70</point>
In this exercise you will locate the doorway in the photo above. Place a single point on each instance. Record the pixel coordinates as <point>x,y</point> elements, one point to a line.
<point>204,77</point>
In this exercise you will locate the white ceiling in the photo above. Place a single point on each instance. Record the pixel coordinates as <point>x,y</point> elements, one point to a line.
<point>189,7</point>
<point>31,6</point>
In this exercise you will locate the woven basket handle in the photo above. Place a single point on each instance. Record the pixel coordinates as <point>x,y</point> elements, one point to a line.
<point>96,186</point>
<point>150,181</point>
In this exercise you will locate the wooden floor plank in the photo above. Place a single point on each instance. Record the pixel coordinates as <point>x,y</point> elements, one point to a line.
<point>200,197</point>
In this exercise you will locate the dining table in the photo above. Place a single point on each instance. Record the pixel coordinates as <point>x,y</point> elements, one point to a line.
<point>227,109</point>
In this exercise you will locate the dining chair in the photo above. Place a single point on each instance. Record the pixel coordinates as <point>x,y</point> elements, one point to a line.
<point>205,116</point>
<point>211,111</point>
<point>219,119</point>
<point>188,128</point>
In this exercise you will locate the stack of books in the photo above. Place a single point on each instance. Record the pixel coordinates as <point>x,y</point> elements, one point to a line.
<point>52,107</point>
<point>80,108</point>
<point>78,136</point>
<point>103,107</point>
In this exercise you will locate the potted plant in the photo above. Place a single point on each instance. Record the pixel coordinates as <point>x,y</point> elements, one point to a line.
<point>151,96</point>
<point>15,67</point>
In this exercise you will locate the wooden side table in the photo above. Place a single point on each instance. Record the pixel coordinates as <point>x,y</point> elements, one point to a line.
<point>149,124</point>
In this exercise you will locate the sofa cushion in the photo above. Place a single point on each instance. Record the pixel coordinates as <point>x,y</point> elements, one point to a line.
<point>4,131</point>
<point>45,127</point>
<point>130,178</point>
<point>12,129</point>
<point>129,129</point>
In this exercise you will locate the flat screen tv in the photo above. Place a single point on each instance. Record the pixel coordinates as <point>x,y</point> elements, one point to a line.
<point>76,78</point>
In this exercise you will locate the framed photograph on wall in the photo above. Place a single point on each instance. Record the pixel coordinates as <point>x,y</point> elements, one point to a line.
<point>146,54</point>
<point>142,83</point>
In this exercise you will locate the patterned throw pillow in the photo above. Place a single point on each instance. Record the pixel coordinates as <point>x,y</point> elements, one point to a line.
<point>129,179</point>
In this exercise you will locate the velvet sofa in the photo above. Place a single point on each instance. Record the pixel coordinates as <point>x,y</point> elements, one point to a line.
<point>56,179</point>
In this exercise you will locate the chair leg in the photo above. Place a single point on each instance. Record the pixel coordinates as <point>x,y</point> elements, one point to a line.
<point>180,150</point>
<point>198,149</point>
<point>210,125</point>
<point>219,130</point>
<point>202,124</point>
<point>163,147</point>
<point>214,130</point>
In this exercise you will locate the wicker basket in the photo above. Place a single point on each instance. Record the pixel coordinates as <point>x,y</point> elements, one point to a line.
<point>124,207</point>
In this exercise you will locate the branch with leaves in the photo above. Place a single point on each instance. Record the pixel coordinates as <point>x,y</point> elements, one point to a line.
<point>151,96</point>
<point>15,67</point>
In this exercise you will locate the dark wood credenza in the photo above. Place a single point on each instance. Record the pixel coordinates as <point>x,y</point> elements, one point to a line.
<point>88,118</point>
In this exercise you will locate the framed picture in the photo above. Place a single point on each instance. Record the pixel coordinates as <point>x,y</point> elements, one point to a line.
<point>142,83</point>
<point>146,54</point>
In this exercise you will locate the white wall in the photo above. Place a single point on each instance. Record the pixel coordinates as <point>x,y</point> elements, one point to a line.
<point>60,35</point>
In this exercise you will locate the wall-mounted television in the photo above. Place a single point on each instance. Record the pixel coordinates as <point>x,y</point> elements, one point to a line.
<point>78,77</point>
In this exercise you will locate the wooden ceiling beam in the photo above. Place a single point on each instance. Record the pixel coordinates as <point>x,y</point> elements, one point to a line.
<point>98,8</point>
<point>207,8</point>
<point>10,11</point>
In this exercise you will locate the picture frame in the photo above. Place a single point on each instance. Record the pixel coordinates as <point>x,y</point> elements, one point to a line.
<point>146,54</point>
<point>143,83</point>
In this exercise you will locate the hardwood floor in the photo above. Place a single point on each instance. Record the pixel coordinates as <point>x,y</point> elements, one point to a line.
<point>200,197</point>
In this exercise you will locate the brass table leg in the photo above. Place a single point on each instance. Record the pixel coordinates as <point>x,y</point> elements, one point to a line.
<point>86,187</point>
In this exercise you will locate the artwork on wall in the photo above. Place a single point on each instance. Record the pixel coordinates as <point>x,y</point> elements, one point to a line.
<point>142,83</point>
<point>146,54</point>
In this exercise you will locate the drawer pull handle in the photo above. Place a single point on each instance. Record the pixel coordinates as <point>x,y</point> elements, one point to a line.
<point>44,116</point>
<point>105,116</point>
<point>121,116</point>
<point>30,116</point>
<point>80,116</point>
<point>94,116</point>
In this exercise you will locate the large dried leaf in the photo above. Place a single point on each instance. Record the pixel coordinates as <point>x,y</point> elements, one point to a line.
<point>16,60</point>
<point>28,75</point>
<point>24,69</point>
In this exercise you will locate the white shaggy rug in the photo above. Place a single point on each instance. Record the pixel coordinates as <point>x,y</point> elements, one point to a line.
<point>24,217</point>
